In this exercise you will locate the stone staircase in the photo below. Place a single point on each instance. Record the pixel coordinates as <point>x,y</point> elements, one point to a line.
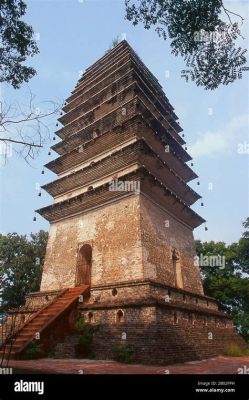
<point>43,320</point>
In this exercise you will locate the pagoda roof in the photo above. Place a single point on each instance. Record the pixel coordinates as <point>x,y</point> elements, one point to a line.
<point>130,129</point>
<point>136,153</point>
<point>101,81</point>
<point>112,55</point>
<point>130,75</point>
<point>120,117</point>
<point>114,118</point>
<point>134,89</point>
<point>102,195</point>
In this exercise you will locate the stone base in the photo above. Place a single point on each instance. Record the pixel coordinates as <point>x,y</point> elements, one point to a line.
<point>159,333</point>
<point>160,324</point>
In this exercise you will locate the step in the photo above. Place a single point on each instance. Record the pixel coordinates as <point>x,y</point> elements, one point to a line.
<point>39,317</point>
<point>32,329</point>
<point>24,335</point>
<point>67,298</point>
<point>60,302</point>
<point>54,308</point>
<point>45,316</point>
<point>12,348</point>
<point>34,324</point>
<point>27,333</point>
<point>6,356</point>
<point>20,340</point>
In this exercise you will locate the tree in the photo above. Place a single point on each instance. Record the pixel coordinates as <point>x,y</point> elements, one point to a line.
<point>21,263</point>
<point>17,43</point>
<point>115,42</point>
<point>25,129</point>
<point>197,32</point>
<point>243,248</point>
<point>229,285</point>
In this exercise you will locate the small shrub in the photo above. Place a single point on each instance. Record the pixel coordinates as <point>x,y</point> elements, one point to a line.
<point>33,351</point>
<point>86,331</point>
<point>233,350</point>
<point>56,355</point>
<point>123,354</point>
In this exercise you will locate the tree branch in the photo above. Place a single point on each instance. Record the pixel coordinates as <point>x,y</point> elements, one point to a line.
<point>26,125</point>
<point>231,12</point>
<point>20,142</point>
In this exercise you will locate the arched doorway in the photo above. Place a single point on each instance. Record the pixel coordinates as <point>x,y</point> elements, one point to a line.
<point>84,264</point>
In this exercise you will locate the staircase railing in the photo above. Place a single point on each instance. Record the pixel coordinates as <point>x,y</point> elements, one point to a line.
<point>11,323</point>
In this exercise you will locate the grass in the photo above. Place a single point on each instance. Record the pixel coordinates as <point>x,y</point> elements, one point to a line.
<point>234,350</point>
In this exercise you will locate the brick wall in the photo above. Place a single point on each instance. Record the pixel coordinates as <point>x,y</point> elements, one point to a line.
<point>155,334</point>
<point>160,336</point>
<point>131,239</point>
<point>160,233</point>
<point>114,232</point>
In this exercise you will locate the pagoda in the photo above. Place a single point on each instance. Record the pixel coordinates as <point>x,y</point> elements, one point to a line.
<point>121,223</point>
<point>122,189</point>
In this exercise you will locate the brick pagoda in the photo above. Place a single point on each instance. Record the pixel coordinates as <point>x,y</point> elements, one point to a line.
<point>121,222</point>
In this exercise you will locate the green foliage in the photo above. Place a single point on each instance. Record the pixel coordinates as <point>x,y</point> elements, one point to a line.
<point>233,350</point>
<point>86,331</point>
<point>21,263</point>
<point>33,351</point>
<point>229,285</point>
<point>123,354</point>
<point>16,44</point>
<point>210,63</point>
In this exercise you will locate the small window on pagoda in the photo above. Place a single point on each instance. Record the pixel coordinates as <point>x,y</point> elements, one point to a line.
<point>92,164</point>
<point>90,317</point>
<point>114,292</point>
<point>175,318</point>
<point>90,188</point>
<point>123,111</point>
<point>120,316</point>
<point>96,133</point>
<point>190,318</point>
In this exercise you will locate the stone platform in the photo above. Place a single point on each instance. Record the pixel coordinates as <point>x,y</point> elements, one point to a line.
<point>219,365</point>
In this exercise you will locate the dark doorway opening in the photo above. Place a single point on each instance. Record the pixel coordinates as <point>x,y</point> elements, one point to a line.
<point>84,265</point>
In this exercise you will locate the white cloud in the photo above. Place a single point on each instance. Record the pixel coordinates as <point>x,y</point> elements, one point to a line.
<point>221,141</point>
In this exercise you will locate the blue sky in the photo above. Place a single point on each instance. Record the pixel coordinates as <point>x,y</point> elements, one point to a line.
<point>71,36</point>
